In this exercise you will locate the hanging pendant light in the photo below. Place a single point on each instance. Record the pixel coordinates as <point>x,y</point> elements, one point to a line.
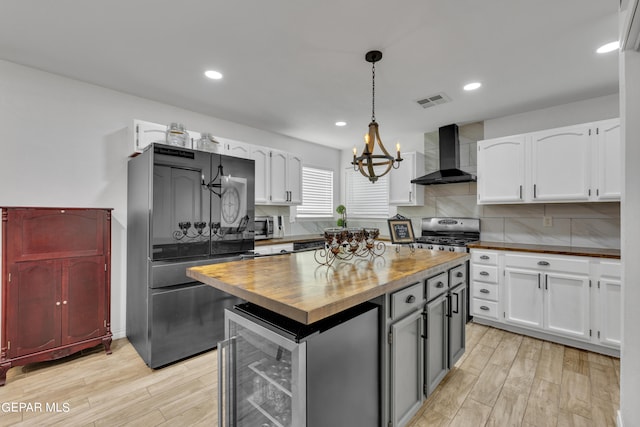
<point>371,165</point>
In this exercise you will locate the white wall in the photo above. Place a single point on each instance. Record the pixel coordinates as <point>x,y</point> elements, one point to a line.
<point>65,143</point>
<point>603,107</point>
<point>630,354</point>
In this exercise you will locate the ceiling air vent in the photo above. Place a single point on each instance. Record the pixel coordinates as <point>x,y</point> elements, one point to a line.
<point>437,99</point>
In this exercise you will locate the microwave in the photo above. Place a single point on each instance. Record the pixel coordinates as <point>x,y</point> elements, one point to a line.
<point>263,227</point>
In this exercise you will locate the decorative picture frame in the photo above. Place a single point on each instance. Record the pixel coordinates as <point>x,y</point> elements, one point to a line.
<point>401,231</point>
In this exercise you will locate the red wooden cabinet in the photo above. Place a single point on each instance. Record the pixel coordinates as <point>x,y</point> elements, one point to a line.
<point>56,265</point>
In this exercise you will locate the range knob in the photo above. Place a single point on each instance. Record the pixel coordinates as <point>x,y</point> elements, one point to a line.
<point>452,249</point>
<point>441,248</point>
<point>430,247</point>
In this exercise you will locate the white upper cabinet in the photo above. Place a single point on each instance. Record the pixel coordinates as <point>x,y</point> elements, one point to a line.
<point>560,164</point>
<point>401,191</point>
<point>294,178</point>
<point>608,152</point>
<point>286,178</point>
<point>263,173</point>
<point>235,148</point>
<point>501,170</point>
<point>570,164</point>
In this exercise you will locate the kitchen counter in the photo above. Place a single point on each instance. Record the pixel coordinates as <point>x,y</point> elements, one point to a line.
<point>547,249</point>
<point>297,287</point>
<point>300,238</point>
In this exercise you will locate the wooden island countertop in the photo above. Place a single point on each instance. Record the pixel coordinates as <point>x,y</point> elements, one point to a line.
<point>296,286</point>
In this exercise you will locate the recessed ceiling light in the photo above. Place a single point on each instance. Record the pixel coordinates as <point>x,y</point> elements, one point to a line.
<point>212,74</point>
<point>609,47</point>
<point>341,123</point>
<point>472,86</point>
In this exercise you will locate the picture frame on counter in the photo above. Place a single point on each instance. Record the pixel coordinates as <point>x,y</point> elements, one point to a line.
<point>401,231</point>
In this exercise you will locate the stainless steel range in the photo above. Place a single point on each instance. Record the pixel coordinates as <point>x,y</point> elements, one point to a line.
<point>449,234</point>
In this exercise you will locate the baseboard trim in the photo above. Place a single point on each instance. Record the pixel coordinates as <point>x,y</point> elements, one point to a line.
<point>548,337</point>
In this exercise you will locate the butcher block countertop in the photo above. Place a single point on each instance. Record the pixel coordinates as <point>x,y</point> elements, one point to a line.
<point>297,287</point>
<point>290,239</point>
<point>547,249</point>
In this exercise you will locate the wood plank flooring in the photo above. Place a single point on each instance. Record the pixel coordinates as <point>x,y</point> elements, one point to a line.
<point>503,379</point>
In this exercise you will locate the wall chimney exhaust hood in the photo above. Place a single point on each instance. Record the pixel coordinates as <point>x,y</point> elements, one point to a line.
<point>449,161</point>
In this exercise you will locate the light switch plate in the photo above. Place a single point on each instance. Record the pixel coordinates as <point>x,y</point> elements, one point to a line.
<point>547,221</point>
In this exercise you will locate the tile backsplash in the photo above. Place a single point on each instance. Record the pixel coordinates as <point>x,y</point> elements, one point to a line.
<point>594,224</point>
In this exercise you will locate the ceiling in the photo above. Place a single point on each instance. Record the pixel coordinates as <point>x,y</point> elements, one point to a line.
<point>295,67</point>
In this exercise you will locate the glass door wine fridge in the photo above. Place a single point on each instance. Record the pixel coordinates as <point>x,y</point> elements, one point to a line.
<point>275,372</point>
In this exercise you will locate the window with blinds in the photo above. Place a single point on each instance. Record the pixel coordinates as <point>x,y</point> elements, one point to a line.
<point>317,193</point>
<point>367,200</point>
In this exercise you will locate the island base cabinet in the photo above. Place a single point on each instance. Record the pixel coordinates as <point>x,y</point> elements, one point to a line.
<point>406,367</point>
<point>457,324</point>
<point>445,318</point>
<point>276,372</point>
<point>436,363</point>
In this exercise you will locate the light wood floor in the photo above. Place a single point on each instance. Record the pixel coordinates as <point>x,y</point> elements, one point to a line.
<point>503,379</point>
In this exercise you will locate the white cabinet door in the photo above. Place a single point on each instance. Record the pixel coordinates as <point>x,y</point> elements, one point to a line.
<point>294,178</point>
<point>286,178</point>
<point>610,312</point>
<point>501,170</point>
<point>145,133</point>
<point>401,191</point>
<point>561,164</point>
<point>523,303</point>
<point>608,158</point>
<point>236,148</point>
<point>278,185</point>
<point>567,305</point>
<point>263,171</point>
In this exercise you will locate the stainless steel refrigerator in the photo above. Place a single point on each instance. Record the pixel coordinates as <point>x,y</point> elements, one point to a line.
<point>184,208</point>
<point>275,372</point>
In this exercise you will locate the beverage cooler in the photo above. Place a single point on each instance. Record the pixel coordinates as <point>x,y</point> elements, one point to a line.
<point>275,372</point>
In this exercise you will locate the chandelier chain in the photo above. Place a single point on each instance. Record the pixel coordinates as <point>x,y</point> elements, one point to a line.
<point>373,92</point>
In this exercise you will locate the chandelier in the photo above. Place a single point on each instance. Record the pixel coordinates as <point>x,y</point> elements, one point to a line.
<point>373,166</point>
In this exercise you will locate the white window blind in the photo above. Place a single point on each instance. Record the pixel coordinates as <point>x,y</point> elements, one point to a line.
<point>366,199</point>
<point>317,193</point>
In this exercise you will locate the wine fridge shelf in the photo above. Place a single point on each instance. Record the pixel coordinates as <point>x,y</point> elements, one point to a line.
<point>265,412</point>
<point>255,368</point>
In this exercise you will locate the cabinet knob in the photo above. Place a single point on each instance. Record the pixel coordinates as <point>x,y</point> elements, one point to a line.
<point>439,285</point>
<point>543,263</point>
<point>484,291</point>
<point>484,307</point>
<point>459,274</point>
<point>410,299</point>
<point>484,273</point>
<point>484,256</point>
<point>64,302</point>
<point>57,302</point>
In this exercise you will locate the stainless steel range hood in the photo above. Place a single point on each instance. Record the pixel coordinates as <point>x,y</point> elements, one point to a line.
<point>449,161</point>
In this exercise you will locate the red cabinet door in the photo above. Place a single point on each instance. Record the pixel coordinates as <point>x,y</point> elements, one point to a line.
<point>83,298</point>
<point>34,307</point>
<point>47,233</point>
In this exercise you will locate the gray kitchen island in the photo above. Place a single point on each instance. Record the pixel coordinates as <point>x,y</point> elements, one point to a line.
<point>300,315</point>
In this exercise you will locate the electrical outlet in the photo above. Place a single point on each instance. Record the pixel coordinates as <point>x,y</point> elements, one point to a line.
<point>547,221</point>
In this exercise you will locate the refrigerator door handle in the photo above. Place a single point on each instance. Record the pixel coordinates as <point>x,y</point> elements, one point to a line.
<point>226,389</point>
